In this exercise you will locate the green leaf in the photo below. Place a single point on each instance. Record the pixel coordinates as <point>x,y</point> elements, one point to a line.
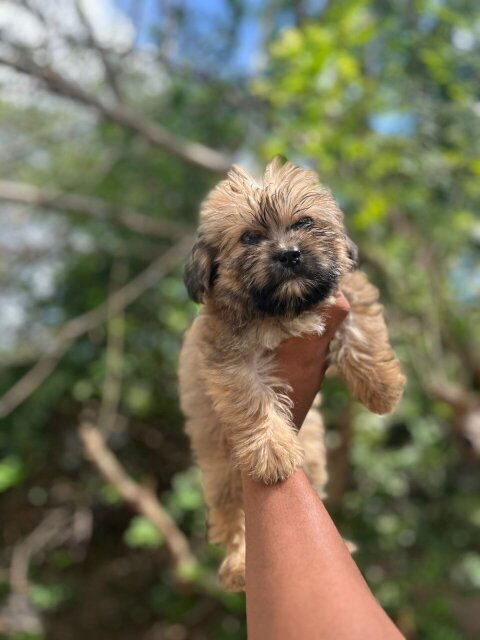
<point>142,533</point>
<point>11,473</point>
<point>471,568</point>
<point>48,597</point>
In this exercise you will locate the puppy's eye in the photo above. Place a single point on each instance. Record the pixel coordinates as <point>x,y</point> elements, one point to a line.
<point>304,223</point>
<point>250,237</point>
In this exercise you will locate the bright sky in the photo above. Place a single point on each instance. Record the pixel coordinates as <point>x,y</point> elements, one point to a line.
<point>205,11</point>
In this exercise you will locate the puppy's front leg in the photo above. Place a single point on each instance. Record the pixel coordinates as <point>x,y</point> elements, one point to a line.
<point>362,351</point>
<point>257,419</point>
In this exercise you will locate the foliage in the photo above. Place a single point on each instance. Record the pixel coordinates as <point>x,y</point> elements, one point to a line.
<point>142,533</point>
<point>381,98</point>
<point>10,473</point>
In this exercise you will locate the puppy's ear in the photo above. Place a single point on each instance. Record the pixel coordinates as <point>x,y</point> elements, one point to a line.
<point>240,181</point>
<point>352,251</point>
<point>199,270</point>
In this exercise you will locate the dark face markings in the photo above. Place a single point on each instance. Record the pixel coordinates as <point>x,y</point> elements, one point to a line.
<point>254,273</point>
<point>305,223</point>
<point>269,302</point>
<point>250,237</point>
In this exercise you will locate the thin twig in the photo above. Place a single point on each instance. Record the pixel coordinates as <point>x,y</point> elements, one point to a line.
<point>24,388</point>
<point>120,113</point>
<point>85,322</point>
<point>112,384</point>
<point>35,11</point>
<point>49,529</point>
<point>111,74</point>
<point>141,498</point>
<point>25,193</point>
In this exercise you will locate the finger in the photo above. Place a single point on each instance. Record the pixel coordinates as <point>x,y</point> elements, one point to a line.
<point>336,313</point>
<point>341,303</point>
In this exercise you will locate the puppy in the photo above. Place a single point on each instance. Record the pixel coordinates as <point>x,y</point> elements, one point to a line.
<point>267,261</point>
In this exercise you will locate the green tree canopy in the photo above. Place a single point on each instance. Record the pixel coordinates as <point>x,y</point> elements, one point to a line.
<point>112,132</point>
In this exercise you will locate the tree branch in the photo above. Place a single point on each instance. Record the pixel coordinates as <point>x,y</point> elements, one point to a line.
<point>121,114</point>
<point>35,11</point>
<point>142,499</point>
<point>51,527</point>
<point>80,325</point>
<point>111,75</point>
<point>17,614</point>
<point>114,358</point>
<point>24,193</point>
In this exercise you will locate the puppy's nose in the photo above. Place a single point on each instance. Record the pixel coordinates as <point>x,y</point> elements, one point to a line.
<point>290,257</point>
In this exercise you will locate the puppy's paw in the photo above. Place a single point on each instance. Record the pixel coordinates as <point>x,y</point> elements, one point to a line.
<point>273,459</point>
<point>383,396</point>
<point>232,573</point>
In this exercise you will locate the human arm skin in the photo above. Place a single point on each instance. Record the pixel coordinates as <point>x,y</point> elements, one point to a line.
<point>301,582</point>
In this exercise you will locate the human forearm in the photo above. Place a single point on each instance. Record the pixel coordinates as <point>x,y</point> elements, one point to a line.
<point>301,579</point>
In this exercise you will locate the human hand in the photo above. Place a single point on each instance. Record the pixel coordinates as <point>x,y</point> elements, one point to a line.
<point>302,361</point>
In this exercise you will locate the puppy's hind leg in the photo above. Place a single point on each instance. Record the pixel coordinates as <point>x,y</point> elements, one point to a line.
<point>361,349</point>
<point>226,521</point>
<point>312,439</point>
<point>232,570</point>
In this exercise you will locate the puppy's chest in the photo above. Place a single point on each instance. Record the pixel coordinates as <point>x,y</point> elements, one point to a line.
<point>244,357</point>
<point>253,347</point>
<point>269,334</point>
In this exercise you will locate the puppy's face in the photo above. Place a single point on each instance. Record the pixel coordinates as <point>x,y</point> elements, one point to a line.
<point>278,248</point>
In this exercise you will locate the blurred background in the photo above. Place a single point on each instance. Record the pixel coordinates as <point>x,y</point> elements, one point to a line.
<point>117,116</point>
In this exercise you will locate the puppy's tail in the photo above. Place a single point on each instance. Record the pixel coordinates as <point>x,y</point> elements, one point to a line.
<point>361,350</point>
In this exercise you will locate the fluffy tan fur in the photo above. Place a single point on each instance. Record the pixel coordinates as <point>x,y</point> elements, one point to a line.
<point>237,412</point>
